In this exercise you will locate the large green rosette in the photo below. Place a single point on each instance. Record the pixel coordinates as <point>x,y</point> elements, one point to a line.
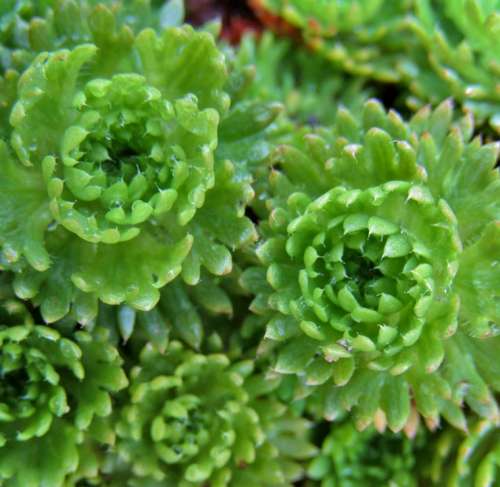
<point>378,282</point>
<point>109,188</point>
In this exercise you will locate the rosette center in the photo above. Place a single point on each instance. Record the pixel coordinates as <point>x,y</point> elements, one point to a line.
<point>180,431</point>
<point>125,156</point>
<point>363,279</point>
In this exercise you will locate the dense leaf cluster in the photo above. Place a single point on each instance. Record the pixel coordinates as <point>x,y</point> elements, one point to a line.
<point>273,264</point>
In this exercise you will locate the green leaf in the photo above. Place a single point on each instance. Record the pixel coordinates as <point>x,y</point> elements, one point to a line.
<point>395,402</point>
<point>295,356</point>
<point>24,213</point>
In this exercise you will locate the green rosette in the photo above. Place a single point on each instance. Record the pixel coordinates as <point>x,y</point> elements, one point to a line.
<point>354,459</point>
<point>194,419</point>
<point>364,38</point>
<point>110,188</point>
<point>436,49</point>
<point>460,41</point>
<point>366,286</point>
<point>55,396</point>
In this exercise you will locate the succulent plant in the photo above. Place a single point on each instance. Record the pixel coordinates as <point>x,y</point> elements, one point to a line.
<point>54,393</point>
<point>460,39</point>
<point>105,166</point>
<point>438,49</point>
<point>364,38</point>
<point>352,458</point>
<point>196,418</point>
<point>459,461</point>
<point>377,283</point>
<point>222,266</point>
